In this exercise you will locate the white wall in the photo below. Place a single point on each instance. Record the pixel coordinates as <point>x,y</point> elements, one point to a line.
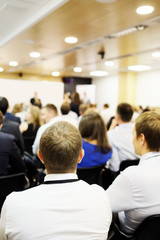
<point>106,91</point>
<point>148,89</point>
<point>17,91</point>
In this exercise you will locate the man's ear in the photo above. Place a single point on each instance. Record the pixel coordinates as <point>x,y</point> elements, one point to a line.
<point>81,155</point>
<point>142,139</point>
<point>40,156</point>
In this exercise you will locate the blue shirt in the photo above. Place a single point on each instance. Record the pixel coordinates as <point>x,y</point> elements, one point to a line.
<point>92,157</point>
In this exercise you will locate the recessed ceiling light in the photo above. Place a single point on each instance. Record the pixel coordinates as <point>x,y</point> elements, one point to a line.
<point>138,68</point>
<point>156,54</point>
<point>71,40</point>
<point>13,63</point>
<point>55,74</point>
<point>77,69</point>
<point>1,69</point>
<point>98,73</point>
<point>109,63</point>
<point>144,10</point>
<point>34,54</point>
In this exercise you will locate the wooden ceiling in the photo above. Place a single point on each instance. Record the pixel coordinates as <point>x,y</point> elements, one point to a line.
<point>93,24</point>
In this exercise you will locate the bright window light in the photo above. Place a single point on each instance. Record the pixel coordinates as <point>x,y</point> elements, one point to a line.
<point>109,63</point>
<point>13,63</point>
<point>139,68</point>
<point>144,10</point>
<point>55,74</point>
<point>77,69</point>
<point>1,69</point>
<point>156,54</point>
<point>34,54</point>
<point>71,40</point>
<point>98,73</point>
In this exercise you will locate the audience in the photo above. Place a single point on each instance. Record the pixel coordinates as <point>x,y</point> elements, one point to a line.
<point>49,112</point>
<point>134,194</point>
<point>120,137</point>
<point>30,127</point>
<point>18,111</point>
<point>67,115</point>
<point>94,139</point>
<point>75,102</point>
<point>10,159</point>
<point>11,126</point>
<point>107,113</point>
<point>63,207</point>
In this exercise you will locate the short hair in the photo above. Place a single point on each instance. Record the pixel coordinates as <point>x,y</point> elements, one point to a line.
<point>51,107</point>
<point>65,108</point>
<point>3,105</point>
<point>1,118</point>
<point>93,127</point>
<point>60,146</point>
<point>125,111</point>
<point>82,108</point>
<point>148,123</point>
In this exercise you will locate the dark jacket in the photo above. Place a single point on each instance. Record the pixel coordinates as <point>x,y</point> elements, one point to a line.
<point>10,159</point>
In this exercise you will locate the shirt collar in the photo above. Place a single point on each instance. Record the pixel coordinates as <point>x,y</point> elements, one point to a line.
<point>149,155</point>
<point>62,176</point>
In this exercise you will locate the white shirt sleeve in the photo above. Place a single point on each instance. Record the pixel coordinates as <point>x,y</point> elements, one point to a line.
<point>3,223</point>
<point>120,194</point>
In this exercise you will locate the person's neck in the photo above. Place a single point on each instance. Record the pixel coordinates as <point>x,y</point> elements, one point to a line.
<point>93,141</point>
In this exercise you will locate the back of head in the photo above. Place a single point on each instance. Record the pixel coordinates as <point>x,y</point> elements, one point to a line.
<point>75,98</point>
<point>60,146</point>
<point>148,123</point>
<point>65,108</point>
<point>51,107</point>
<point>82,108</point>
<point>92,127</point>
<point>35,115</point>
<point>3,105</point>
<point>125,111</point>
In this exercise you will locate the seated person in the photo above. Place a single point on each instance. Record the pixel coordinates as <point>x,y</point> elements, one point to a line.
<point>63,207</point>
<point>10,159</point>
<point>11,127</point>
<point>120,137</point>
<point>134,194</point>
<point>94,139</point>
<point>30,127</point>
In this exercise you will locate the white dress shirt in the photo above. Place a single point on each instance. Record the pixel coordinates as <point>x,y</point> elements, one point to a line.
<point>120,139</point>
<point>40,131</point>
<point>63,211</point>
<point>135,192</point>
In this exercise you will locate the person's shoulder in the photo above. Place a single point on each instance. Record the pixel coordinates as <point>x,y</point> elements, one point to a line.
<point>8,136</point>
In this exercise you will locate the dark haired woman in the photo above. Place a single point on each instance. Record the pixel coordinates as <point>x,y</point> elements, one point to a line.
<point>94,139</point>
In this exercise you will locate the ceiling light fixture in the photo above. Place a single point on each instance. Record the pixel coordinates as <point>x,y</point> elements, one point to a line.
<point>156,54</point>
<point>144,10</point>
<point>77,69</point>
<point>13,63</point>
<point>71,40</point>
<point>128,31</point>
<point>55,74</point>
<point>1,69</point>
<point>34,54</point>
<point>98,73</point>
<point>139,68</point>
<point>109,63</point>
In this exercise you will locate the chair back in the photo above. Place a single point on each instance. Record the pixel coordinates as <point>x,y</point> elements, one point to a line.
<point>149,229</point>
<point>10,183</point>
<point>127,163</point>
<point>90,175</point>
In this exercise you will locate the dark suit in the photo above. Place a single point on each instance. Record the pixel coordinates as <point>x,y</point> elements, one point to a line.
<point>10,159</point>
<point>11,117</point>
<point>13,128</point>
